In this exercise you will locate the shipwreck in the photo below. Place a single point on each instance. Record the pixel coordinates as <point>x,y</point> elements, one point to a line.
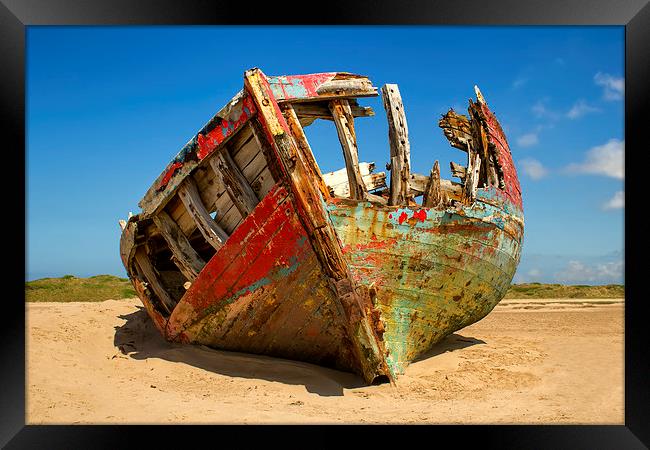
<point>242,243</point>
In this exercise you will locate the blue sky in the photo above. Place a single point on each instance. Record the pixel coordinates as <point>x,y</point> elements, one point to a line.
<point>109,107</point>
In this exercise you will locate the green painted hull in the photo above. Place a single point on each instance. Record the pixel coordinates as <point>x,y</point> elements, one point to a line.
<point>431,272</point>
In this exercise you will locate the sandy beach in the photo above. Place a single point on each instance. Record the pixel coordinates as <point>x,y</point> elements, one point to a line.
<point>529,361</point>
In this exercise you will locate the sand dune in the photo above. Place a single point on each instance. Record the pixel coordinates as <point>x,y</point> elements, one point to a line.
<point>529,361</point>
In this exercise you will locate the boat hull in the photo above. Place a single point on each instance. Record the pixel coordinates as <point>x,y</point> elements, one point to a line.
<point>431,272</point>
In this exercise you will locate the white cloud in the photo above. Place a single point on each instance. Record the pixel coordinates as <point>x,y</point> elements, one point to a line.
<point>578,272</point>
<point>540,110</point>
<point>613,87</point>
<point>579,109</point>
<point>533,168</point>
<point>616,202</point>
<point>607,159</point>
<point>528,140</point>
<point>519,82</point>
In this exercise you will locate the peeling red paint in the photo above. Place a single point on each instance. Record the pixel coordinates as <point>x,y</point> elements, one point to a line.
<point>173,167</point>
<point>511,181</point>
<point>214,138</point>
<point>402,218</point>
<point>420,214</point>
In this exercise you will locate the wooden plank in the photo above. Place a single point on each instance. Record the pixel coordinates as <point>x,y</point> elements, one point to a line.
<point>340,176</point>
<point>345,128</point>
<point>433,194</point>
<point>302,144</point>
<point>184,256</point>
<point>372,181</point>
<point>320,110</point>
<point>190,197</point>
<point>265,145</point>
<point>236,184</point>
<point>149,272</point>
<point>419,182</point>
<point>400,148</point>
<point>319,86</point>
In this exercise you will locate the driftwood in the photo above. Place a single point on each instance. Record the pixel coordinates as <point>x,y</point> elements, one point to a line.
<point>400,148</point>
<point>345,128</point>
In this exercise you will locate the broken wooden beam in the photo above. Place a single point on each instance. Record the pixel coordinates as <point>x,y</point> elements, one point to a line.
<point>345,128</point>
<point>449,188</point>
<point>458,171</point>
<point>184,256</point>
<point>320,110</point>
<point>471,182</point>
<point>211,231</point>
<point>433,194</point>
<point>240,192</point>
<point>147,270</point>
<point>400,148</point>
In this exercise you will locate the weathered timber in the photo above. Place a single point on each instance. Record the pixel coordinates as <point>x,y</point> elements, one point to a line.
<point>267,149</point>
<point>449,188</point>
<point>303,147</point>
<point>219,129</point>
<point>319,86</point>
<point>337,181</point>
<point>149,273</point>
<point>458,171</point>
<point>471,182</point>
<point>340,176</point>
<point>457,129</point>
<point>400,148</point>
<point>184,256</point>
<point>372,181</point>
<point>320,110</point>
<point>236,184</point>
<point>433,194</point>
<point>190,197</point>
<point>345,128</point>
<point>366,344</point>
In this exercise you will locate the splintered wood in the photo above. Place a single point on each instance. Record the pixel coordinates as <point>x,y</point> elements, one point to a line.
<point>345,128</point>
<point>400,148</point>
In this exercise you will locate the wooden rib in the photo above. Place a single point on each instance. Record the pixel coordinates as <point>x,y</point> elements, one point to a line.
<point>345,128</point>
<point>184,256</point>
<point>400,148</point>
<point>190,197</point>
<point>433,191</point>
<point>237,187</point>
<point>149,272</point>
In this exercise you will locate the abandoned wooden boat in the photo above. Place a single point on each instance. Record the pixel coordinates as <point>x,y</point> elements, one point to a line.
<point>243,244</point>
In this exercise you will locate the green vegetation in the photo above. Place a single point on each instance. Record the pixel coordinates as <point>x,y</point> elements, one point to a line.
<point>104,287</point>
<point>538,290</point>
<point>72,289</point>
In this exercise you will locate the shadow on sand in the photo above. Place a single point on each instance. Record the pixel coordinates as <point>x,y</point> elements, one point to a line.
<point>140,340</point>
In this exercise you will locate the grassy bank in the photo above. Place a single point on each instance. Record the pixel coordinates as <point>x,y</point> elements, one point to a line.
<point>103,287</point>
<point>539,290</point>
<point>72,289</point>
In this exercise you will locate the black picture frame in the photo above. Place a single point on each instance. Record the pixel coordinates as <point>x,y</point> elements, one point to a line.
<point>16,15</point>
